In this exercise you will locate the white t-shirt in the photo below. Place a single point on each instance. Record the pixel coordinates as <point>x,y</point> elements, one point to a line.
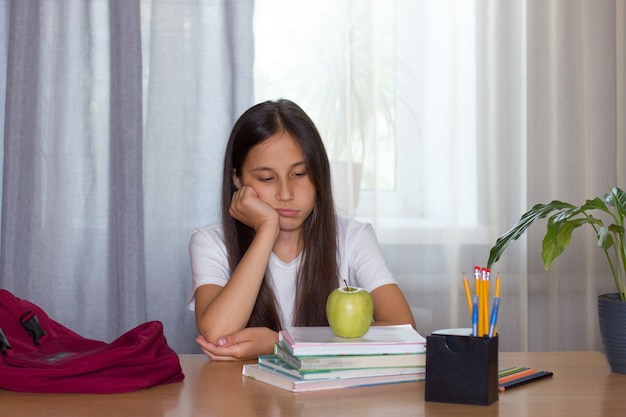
<point>360,262</point>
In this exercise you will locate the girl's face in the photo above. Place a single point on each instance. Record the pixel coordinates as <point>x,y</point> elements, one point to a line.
<point>276,170</point>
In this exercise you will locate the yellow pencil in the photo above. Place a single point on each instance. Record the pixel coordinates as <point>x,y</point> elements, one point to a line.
<point>487,278</point>
<point>481,316</point>
<point>497,292</point>
<point>480,308</point>
<point>468,293</point>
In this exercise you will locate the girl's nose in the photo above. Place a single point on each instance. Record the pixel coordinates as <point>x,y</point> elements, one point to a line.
<point>284,192</point>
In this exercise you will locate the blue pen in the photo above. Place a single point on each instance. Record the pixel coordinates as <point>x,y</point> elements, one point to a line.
<point>494,316</point>
<point>475,315</point>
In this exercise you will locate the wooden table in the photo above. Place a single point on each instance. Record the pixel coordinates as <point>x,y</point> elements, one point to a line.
<point>582,386</point>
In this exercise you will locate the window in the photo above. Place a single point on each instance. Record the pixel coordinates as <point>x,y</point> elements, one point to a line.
<point>391,86</point>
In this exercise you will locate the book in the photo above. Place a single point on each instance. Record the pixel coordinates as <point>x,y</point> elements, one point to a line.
<point>273,363</point>
<point>516,376</point>
<point>320,340</point>
<point>279,380</point>
<point>328,362</point>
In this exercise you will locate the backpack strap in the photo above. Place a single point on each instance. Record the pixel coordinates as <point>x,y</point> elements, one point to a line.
<point>30,322</point>
<point>24,314</point>
<point>4,343</point>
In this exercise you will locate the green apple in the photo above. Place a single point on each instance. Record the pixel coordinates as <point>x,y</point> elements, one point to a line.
<point>349,311</point>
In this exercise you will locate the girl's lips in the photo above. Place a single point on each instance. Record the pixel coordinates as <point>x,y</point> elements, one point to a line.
<point>287,212</point>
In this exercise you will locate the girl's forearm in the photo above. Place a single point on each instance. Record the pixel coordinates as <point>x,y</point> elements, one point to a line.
<point>229,311</point>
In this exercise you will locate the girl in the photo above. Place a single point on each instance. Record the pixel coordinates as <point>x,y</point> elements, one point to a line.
<point>280,249</point>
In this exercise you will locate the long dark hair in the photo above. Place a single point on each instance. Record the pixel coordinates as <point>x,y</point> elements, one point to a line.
<point>318,271</point>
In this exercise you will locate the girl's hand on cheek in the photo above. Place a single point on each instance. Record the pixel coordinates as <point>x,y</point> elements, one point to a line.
<point>248,208</point>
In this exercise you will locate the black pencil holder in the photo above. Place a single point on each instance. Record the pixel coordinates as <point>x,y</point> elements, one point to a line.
<point>462,369</point>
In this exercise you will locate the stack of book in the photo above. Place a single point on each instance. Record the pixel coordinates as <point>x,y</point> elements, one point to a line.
<point>313,358</point>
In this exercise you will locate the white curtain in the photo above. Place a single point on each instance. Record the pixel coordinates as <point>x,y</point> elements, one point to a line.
<point>115,120</point>
<point>445,122</point>
<point>575,150</point>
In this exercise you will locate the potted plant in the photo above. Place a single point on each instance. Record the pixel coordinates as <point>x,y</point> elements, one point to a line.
<point>564,219</point>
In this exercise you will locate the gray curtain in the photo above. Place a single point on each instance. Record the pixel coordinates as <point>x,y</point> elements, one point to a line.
<point>115,119</point>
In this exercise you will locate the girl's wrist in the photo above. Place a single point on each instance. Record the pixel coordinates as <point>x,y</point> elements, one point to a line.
<point>270,228</point>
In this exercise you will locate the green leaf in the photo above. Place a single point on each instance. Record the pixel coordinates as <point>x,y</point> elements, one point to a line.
<point>538,211</point>
<point>617,198</point>
<point>564,215</point>
<point>596,203</point>
<point>558,238</point>
<point>605,238</point>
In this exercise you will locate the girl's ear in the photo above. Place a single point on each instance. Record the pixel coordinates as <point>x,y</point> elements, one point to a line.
<point>236,180</point>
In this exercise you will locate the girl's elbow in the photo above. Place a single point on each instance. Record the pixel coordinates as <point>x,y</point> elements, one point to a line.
<point>209,334</point>
<point>209,330</point>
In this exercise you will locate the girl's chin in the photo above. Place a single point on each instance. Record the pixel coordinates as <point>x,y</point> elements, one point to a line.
<point>290,225</point>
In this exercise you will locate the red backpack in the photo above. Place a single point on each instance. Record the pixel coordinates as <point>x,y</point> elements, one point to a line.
<point>37,354</point>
